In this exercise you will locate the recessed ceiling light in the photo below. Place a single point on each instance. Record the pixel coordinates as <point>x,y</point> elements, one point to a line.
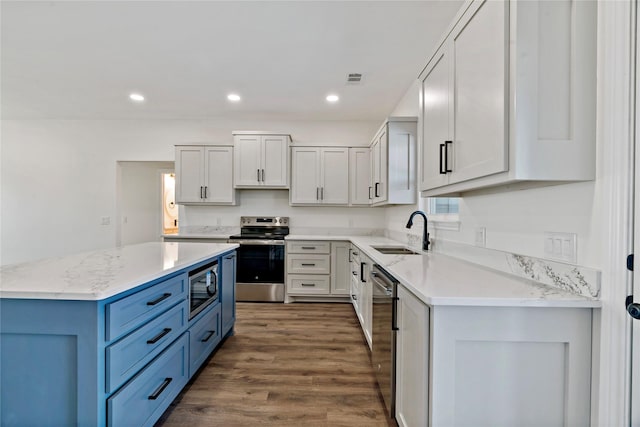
<point>233,97</point>
<point>136,97</point>
<point>333,98</point>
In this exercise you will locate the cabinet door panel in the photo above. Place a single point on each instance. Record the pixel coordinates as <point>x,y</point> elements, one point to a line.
<point>189,174</point>
<point>219,175</point>
<point>340,268</point>
<point>383,165</point>
<point>228,292</point>
<point>360,176</point>
<point>480,82</point>
<point>335,176</point>
<point>306,175</point>
<point>436,102</point>
<point>275,150</point>
<point>247,160</point>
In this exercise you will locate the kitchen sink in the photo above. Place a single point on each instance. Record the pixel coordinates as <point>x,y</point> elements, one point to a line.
<point>394,250</point>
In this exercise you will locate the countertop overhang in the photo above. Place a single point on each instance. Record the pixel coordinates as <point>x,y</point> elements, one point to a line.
<point>101,274</point>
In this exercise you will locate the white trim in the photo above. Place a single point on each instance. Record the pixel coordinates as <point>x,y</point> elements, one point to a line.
<point>615,130</point>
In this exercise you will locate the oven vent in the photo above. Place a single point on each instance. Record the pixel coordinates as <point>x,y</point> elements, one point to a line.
<point>354,78</point>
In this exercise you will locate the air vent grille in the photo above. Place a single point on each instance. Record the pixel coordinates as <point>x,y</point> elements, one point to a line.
<point>354,78</point>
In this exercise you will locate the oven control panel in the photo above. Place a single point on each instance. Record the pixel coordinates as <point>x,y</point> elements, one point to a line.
<point>266,221</point>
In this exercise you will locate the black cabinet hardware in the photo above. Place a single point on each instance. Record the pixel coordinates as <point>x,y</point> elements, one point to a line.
<point>442,172</point>
<point>157,338</point>
<point>307,284</point>
<point>159,299</point>
<point>307,265</point>
<point>208,337</point>
<point>362,279</point>
<point>160,389</point>
<point>370,188</point>
<point>446,156</point>
<point>375,193</point>
<point>309,248</point>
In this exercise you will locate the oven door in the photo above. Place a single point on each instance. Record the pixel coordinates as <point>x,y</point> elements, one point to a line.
<point>260,270</point>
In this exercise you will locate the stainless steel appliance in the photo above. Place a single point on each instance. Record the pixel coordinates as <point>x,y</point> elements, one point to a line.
<point>383,342</point>
<point>203,287</point>
<point>260,268</point>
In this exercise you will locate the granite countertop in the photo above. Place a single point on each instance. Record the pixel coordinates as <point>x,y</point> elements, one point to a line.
<point>100,274</point>
<point>438,279</point>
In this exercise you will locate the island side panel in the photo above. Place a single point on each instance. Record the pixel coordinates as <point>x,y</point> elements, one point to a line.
<point>50,362</point>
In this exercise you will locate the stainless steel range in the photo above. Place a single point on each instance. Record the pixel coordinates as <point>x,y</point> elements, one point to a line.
<point>260,268</point>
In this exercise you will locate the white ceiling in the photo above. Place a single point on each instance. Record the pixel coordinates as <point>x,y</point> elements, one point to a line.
<point>81,59</point>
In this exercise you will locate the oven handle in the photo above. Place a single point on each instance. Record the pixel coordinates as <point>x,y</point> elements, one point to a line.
<point>257,242</point>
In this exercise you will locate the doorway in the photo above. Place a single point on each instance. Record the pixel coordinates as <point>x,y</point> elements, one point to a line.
<point>140,201</point>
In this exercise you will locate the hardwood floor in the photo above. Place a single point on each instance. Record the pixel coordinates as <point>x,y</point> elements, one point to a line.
<point>287,365</point>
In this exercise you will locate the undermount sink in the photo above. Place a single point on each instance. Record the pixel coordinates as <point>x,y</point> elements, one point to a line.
<point>394,250</point>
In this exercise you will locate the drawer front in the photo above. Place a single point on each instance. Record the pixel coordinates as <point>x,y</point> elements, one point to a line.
<point>204,335</point>
<point>308,264</point>
<point>307,284</point>
<point>125,315</point>
<point>127,356</point>
<point>309,247</point>
<point>143,400</point>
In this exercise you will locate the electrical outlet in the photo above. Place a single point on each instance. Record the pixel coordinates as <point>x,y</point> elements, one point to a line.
<point>106,220</point>
<point>561,246</point>
<point>481,237</point>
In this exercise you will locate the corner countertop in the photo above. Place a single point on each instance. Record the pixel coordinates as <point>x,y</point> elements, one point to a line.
<point>438,279</point>
<point>101,274</point>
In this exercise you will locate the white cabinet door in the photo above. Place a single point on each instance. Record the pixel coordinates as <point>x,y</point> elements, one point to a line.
<point>366,297</point>
<point>305,178</point>
<point>218,172</point>
<point>189,174</point>
<point>412,363</point>
<point>248,160</point>
<point>360,176</point>
<point>340,268</point>
<point>436,121</point>
<point>480,52</point>
<point>334,183</point>
<point>379,164</point>
<point>274,169</point>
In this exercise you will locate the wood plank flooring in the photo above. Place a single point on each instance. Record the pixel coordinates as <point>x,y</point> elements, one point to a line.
<point>287,365</point>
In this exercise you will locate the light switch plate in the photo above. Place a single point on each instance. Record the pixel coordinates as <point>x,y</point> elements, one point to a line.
<point>481,237</point>
<point>561,246</point>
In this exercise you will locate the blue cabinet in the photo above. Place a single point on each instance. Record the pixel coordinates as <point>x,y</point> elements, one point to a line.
<point>228,292</point>
<point>118,361</point>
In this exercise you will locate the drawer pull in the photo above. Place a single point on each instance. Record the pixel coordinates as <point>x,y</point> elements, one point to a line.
<point>209,335</point>
<point>307,284</point>
<point>156,394</point>
<point>308,265</point>
<point>229,257</point>
<point>309,248</point>
<point>155,339</point>
<point>355,273</point>
<point>159,299</point>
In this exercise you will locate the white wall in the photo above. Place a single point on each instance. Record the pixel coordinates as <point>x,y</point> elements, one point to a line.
<point>58,177</point>
<point>516,221</point>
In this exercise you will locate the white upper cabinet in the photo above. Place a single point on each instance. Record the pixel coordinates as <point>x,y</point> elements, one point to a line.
<point>361,192</point>
<point>320,176</point>
<point>393,162</point>
<point>509,95</point>
<point>204,175</point>
<point>262,160</point>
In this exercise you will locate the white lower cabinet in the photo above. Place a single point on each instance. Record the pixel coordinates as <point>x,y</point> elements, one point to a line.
<point>412,354</point>
<point>459,366</point>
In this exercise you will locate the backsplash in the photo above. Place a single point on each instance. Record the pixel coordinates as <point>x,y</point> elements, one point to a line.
<point>580,280</point>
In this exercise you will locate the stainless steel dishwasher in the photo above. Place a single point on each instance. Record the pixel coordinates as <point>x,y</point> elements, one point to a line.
<point>383,344</point>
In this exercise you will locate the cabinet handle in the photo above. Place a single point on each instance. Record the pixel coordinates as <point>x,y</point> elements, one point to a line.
<point>230,257</point>
<point>321,193</point>
<point>362,279</point>
<point>442,172</point>
<point>308,247</point>
<point>317,193</point>
<point>376,192</point>
<point>307,265</point>
<point>355,273</point>
<point>209,335</point>
<point>155,339</point>
<point>262,175</point>
<point>159,299</point>
<point>307,284</point>
<point>446,156</point>
<point>201,187</point>
<point>355,298</point>
<point>370,188</point>
<point>160,389</point>
<point>205,191</point>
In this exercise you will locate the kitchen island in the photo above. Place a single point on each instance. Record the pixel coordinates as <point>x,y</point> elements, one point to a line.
<point>106,337</point>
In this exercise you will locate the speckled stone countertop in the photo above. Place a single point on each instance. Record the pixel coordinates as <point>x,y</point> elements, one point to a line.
<point>98,275</point>
<point>438,279</point>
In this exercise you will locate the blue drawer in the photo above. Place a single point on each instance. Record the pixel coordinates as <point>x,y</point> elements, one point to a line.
<point>125,315</point>
<point>127,356</point>
<point>143,400</point>
<point>204,335</point>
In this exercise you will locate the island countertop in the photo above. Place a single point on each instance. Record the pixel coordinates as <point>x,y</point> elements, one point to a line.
<point>100,274</point>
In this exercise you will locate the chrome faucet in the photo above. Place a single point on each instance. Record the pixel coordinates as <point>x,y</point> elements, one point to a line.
<point>425,233</point>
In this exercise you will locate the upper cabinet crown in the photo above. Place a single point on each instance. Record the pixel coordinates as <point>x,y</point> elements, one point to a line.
<point>510,95</point>
<point>204,175</point>
<point>393,162</point>
<point>261,160</point>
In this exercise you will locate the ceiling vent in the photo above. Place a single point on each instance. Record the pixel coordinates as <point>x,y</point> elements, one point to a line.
<point>354,78</point>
